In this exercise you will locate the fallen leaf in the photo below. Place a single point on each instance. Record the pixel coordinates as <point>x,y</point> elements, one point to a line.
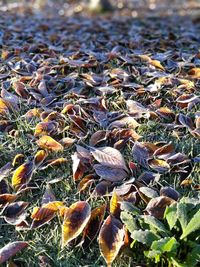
<point>93,226</point>
<point>111,238</point>
<point>109,173</point>
<point>156,206</point>
<point>11,249</point>
<point>47,142</point>
<point>75,220</point>
<point>42,215</point>
<point>22,175</point>
<point>109,157</point>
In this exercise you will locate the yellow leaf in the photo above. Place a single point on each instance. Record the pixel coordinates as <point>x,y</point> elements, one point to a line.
<point>4,107</point>
<point>194,72</point>
<point>44,214</point>
<point>115,204</point>
<point>157,64</point>
<point>40,157</point>
<point>22,175</point>
<point>17,159</point>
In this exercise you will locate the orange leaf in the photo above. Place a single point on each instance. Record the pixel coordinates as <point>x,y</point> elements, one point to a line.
<point>7,198</point>
<point>4,107</point>
<point>194,72</point>
<point>186,182</point>
<point>85,182</point>
<point>45,128</point>
<point>47,142</point>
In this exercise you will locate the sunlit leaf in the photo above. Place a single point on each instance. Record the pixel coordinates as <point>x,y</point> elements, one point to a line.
<point>45,128</point>
<point>194,72</point>
<point>47,142</point>
<point>7,198</point>
<point>115,204</point>
<point>159,165</point>
<point>17,159</point>
<point>85,182</point>
<point>39,157</point>
<point>22,175</point>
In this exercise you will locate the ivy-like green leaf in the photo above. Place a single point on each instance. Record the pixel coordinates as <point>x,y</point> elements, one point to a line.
<point>152,221</point>
<point>182,215</point>
<point>127,206</point>
<point>192,226</point>
<point>167,244</point>
<point>144,237</point>
<point>193,257</point>
<point>129,221</point>
<point>171,215</point>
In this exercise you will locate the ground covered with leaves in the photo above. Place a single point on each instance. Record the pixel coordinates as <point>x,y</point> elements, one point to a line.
<point>99,150</point>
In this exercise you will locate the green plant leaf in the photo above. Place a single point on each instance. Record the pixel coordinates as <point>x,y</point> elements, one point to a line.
<point>152,221</point>
<point>176,263</point>
<point>171,215</point>
<point>129,221</point>
<point>127,206</point>
<point>193,257</point>
<point>153,254</point>
<point>193,225</point>
<point>144,237</point>
<point>182,215</point>
<point>167,244</point>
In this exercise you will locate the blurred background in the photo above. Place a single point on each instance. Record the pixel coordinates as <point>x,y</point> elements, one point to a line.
<point>132,8</point>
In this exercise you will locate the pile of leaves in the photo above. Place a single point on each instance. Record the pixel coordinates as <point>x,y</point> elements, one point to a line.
<point>99,129</point>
